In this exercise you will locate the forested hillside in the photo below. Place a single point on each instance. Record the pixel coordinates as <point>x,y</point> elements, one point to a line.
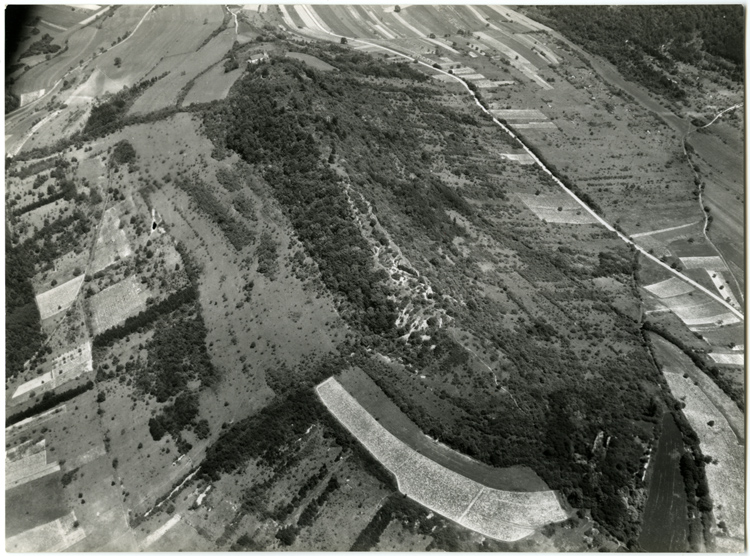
<point>298,126</point>
<point>646,42</point>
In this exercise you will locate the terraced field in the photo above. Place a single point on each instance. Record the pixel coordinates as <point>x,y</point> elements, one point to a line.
<point>507,516</point>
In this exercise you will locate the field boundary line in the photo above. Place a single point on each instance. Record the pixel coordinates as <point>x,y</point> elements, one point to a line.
<point>471,504</point>
<point>664,230</point>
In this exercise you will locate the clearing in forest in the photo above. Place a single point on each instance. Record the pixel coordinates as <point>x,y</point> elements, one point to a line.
<point>116,303</point>
<point>59,298</point>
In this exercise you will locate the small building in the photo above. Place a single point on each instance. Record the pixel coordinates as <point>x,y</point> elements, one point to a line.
<point>257,58</point>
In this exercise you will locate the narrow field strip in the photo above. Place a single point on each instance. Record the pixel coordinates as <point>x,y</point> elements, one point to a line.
<point>65,367</point>
<point>737,359</point>
<point>523,159</point>
<point>518,114</point>
<point>33,384</point>
<point>516,60</point>
<point>536,125</point>
<point>161,531</point>
<point>87,457</point>
<point>726,476</point>
<point>36,420</point>
<point>724,319</point>
<point>488,84</point>
<point>708,263</point>
<point>503,515</point>
<point>664,230</point>
<point>59,298</point>
<point>722,287</point>
<point>556,209</point>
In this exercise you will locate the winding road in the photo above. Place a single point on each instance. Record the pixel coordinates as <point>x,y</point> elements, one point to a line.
<point>700,198</point>
<point>562,186</point>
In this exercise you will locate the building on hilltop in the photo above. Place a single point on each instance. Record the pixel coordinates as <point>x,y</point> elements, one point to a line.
<point>257,58</point>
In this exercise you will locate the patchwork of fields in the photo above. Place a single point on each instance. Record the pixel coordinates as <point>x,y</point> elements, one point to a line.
<point>54,536</point>
<point>64,368</point>
<point>27,464</point>
<point>502,515</point>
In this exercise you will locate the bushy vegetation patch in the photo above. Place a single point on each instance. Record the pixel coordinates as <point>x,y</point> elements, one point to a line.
<point>177,354</point>
<point>23,334</point>
<point>122,153</point>
<point>48,401</point>
<point>632,38</point>
<point>235,231</point>
<point>42,46</point>
<point>109,115</point>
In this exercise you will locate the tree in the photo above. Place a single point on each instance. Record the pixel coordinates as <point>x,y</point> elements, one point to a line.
<point>118,62</point>
<point>397,9</point>
<point>343,40</point>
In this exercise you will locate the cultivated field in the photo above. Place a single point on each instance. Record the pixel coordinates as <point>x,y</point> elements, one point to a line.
<point>311,61</point>
<point>522,159</point>
<point>488,511</point>
<point>728,358</point>
<point>113,305</point>
<point>29,464</point>
<point>164,92</point>
<point>54,536</point>
<point>708,263</point>
<point>557,208</point>
<point>723,287</point>
<point>374,401</point>
<point>671,287</point>
<point>59,298</point>
<point>212,85</point>
<point>64,368</point>
<point>726,473</point>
